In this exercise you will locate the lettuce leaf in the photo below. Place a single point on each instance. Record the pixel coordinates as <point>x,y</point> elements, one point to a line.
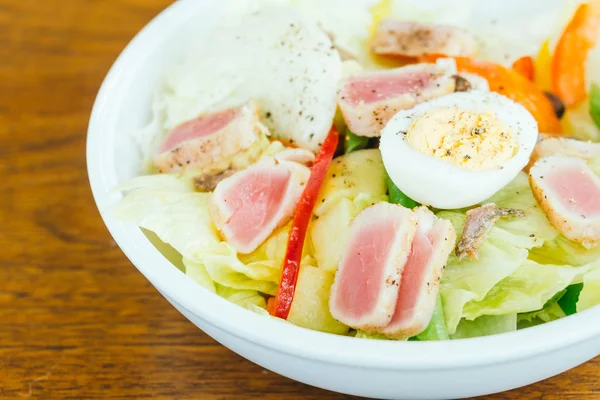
<point>547,314</point>
<point>486,325</point>
<point>225,268</point>
<point>198,273</point>
<point>563,251</point>
<point>249,299</point>
<point>179,218</point>
<point>568,302</point>
<point>590,294</point>
<point>595,104</point>
<point>167,206</point>
<point>467,282</point>
<point>436,330</point>
<point>527,289</point>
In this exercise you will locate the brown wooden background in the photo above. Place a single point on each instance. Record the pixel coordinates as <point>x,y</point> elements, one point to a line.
<point>77,321</point>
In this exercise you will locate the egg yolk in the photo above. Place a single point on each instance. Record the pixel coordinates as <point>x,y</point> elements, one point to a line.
<point>468,139</point>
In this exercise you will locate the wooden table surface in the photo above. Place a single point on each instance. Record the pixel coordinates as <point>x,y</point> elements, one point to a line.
<point>77,321</point>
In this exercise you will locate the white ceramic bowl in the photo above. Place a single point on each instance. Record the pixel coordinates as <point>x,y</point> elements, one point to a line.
<point>371,368</point>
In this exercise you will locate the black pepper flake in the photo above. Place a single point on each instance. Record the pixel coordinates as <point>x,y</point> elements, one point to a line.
<point>333,175</point>
<point>467,157</point>
<point>532,235</point>
<point>268,114</point>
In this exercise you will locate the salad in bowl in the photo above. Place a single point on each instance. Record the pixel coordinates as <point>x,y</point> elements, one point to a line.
<point>385,172</point>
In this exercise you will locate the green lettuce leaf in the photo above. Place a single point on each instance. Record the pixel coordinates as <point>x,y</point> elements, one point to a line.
<point>486,325</point>
<point>568,302</point>
<point>563,251</point>
<point>436,330</point>
<point>354,142</point>
<point>547,314</point>
<point>595,104</point>
<point>198,273</point>
<point>590,294</point>
<point>249,299</point>
<point>467,282</point>
<point>528,289</point>
<point>396,196</point>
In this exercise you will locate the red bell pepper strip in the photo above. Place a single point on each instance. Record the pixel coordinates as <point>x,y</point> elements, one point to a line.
<point>525,67</point>
<point>302,217</point>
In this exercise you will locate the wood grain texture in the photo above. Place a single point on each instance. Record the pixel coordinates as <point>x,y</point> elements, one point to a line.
<point>77,321</point>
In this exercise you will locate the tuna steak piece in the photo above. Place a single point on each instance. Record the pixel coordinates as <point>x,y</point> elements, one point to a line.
<point>434,241</point>
<point>210,138</point>
<point>249,205</point>
<point>368,100</point>
<point>568,191</point>
<point>365,289</point>
<point>549,145</point>
<point>412,39</point>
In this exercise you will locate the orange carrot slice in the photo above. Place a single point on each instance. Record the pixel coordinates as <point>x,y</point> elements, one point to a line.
<point>570,56</point>
<point>525,67</point>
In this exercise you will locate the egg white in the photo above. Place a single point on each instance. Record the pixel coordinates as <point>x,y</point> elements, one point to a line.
<point>439,183</point>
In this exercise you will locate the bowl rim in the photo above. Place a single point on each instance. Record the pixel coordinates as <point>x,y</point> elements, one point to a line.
<point>269,332</point>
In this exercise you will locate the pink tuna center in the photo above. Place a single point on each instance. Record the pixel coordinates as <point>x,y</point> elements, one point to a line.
<point>255,202</point>
<point>385,86</point>
<point>362,278</point>
<point>577,191</point>
<point>200,127</point>
<point>413,279</point>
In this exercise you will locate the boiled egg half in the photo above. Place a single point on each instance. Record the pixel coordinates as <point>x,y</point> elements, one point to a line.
<point>458,150</point>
